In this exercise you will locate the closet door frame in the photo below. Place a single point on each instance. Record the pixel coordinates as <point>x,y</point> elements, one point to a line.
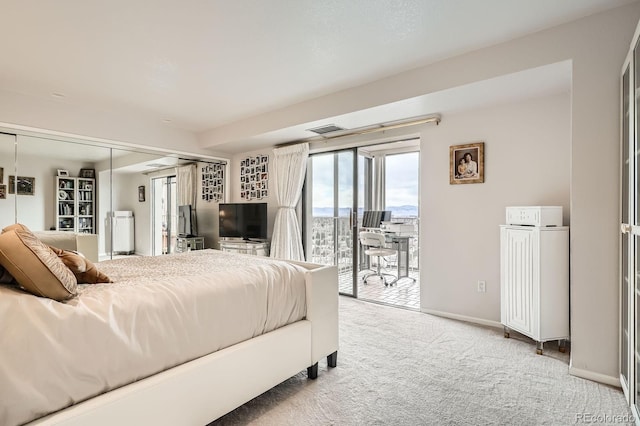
<point>626,233</point>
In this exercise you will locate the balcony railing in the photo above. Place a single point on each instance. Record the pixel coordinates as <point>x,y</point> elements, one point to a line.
<point>332,242</point>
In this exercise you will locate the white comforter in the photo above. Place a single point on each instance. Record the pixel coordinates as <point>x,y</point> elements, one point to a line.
<point>160,312</point>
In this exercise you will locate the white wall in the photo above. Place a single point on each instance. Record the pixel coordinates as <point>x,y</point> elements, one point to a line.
<point>527,157</point>
<point>125,197</point>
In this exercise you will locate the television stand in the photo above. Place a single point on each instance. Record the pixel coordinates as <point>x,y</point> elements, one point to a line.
<point>192,242</point>
<point>256,248</point>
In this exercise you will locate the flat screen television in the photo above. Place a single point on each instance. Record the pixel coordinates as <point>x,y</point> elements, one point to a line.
<point>243,220</point>
<point>185,226</point>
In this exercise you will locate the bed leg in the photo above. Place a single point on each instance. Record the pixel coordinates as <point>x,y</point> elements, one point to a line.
<point>312,372</point>
<point>332,359</point>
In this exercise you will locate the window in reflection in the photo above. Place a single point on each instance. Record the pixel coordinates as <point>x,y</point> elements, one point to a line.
<point>164,214</point>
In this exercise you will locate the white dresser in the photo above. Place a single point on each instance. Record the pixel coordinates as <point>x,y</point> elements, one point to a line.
<point>245,247</point>
<point>534,276</point>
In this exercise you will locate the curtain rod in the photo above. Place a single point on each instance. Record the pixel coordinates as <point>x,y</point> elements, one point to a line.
<point>433,118</point>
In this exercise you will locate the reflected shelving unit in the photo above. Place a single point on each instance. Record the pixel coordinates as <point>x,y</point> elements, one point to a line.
<point>75,204</point>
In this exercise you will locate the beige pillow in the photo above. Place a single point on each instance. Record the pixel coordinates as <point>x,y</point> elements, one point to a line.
<point>16,227</point>
<point>35,267</point>
<point>84,270</point>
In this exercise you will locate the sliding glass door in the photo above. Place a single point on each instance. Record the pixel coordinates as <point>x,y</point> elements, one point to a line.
<point>331,195</point>
<point>340,187</point>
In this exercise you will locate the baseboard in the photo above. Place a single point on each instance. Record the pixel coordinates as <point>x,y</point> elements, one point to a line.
<point>596,377</point>
<point>465,318</point>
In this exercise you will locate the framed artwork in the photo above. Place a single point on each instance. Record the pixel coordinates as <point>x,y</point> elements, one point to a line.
<point>141,194</point>
<point>24,185</point>
<point>466,163</point>
<point>1,174</point>
<point>88,173</point>
<point>3,192</point>
<point>64,173</point>
<point>254,178</point>
<point>213,182</point>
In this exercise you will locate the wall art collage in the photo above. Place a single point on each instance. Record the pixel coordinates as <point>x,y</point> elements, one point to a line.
<point>254,178</point>
<point>213,182</point>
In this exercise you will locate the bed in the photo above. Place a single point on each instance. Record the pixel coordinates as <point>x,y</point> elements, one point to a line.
<point>179,339</point>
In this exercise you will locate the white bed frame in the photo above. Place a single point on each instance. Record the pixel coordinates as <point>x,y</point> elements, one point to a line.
<point>202,390</point>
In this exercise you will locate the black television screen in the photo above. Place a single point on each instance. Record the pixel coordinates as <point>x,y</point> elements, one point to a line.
<point>243,220</point>
<point>184,221</point>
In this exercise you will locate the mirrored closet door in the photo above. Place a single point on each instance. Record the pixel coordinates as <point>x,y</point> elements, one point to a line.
<point>50,183</point>
<point>629,290</point>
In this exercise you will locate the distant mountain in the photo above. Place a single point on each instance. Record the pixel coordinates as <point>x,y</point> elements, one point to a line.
<point>396,211</point>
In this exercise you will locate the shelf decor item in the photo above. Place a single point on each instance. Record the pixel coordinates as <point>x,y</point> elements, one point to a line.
<point>141,195</point>
<point>24,185</point>
<point>88,173</point>
<point>254,177</point>
<point>63,173</point>
<point>466,163</point>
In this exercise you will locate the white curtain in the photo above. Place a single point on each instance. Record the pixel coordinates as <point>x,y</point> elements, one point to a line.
<point>378,182</point>
<point>187,191</point>
<point>289,168</point>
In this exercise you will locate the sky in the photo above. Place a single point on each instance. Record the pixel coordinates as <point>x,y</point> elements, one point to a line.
<point>401,179</point>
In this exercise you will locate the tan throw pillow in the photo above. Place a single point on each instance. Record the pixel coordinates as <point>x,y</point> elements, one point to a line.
<point>84,270</point>
<point>35,267</point>
<point>16,227</point>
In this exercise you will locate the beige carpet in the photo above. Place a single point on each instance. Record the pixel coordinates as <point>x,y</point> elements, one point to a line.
<point>399,367</point>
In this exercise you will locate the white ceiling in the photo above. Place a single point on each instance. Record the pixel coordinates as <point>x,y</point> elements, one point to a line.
<point>119,160</point>
<point>206,63</point>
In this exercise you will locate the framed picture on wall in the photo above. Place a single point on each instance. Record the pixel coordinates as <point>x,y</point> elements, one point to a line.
<point>3,192</point>
<point>1,175</point>
<point>141,195</point>
<point>24,185</point>
<point>88,173</point>
<point>466,163</point>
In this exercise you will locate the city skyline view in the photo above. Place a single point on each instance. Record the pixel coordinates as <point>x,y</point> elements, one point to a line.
<point>401,184</point>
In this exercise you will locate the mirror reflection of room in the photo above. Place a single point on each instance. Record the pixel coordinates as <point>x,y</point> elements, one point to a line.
<point>98,199</point>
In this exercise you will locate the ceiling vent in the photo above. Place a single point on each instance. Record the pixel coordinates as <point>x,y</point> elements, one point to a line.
<point>329,128</point>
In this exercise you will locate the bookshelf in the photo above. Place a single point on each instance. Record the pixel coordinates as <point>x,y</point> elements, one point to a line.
<point>75,204</point>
